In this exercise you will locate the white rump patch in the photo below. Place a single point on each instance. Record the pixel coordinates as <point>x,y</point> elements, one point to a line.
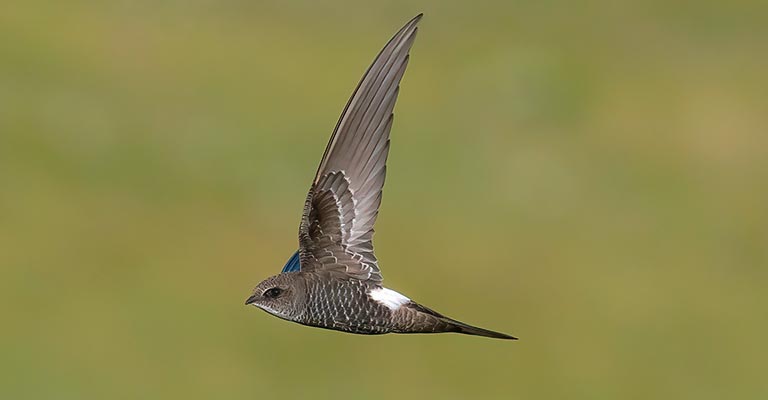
<point>388,297</point>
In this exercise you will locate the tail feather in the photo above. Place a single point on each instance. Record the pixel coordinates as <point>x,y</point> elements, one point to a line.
<point>466,329</point>
<point>441,323</point>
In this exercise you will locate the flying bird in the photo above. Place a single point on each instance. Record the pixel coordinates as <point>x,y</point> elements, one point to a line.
<point>334,281</point>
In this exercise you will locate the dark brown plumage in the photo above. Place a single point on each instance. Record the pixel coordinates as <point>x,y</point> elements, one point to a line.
<point>338,284</point>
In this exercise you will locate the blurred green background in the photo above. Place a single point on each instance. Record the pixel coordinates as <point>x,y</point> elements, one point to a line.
<point>592,178</point>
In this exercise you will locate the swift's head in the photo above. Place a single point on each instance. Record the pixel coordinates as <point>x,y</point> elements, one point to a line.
<point>280,295</point>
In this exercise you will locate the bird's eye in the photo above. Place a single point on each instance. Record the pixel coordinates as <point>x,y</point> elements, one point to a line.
<point>273,292</point>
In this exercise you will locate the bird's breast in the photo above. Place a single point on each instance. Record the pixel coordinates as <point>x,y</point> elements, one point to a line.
<point>347,306</point>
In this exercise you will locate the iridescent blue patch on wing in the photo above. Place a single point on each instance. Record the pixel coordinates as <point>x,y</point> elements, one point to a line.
<point>293,264</point>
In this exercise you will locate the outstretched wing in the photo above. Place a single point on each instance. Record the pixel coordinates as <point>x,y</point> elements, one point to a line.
<point>336,230</point>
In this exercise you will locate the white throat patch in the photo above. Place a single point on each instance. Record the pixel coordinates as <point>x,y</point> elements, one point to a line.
<point>272,311</point>
<point>388,297</point>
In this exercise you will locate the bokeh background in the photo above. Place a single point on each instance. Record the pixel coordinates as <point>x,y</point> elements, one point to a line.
<point>592,178</point>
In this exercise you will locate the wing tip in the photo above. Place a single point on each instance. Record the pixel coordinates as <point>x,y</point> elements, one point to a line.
<point>411,25</point>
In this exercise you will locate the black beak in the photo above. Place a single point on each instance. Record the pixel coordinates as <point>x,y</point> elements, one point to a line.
<point>250,300</point>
